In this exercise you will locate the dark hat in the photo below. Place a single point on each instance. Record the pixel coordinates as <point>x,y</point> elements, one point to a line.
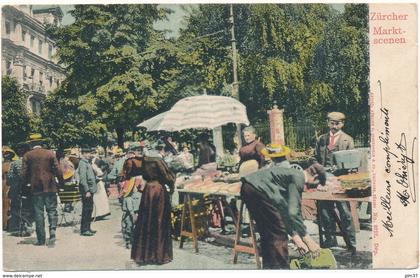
<point>203,137</point>
<point>318,169</point>
<point>87,149</point>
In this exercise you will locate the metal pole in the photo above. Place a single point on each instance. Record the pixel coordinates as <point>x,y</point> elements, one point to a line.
<point>235,84</point>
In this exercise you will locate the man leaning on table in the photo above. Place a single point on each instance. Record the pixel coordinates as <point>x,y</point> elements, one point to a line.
<point>273,196</point>
<point>327,144</point>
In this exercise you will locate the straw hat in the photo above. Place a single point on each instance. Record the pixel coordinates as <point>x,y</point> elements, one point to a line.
<point>275,150</point>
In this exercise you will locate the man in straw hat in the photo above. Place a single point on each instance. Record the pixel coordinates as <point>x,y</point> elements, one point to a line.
<point>327,144</point>
<point>273,196</point>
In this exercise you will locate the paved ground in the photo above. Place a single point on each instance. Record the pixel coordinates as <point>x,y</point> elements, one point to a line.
<point>106,251</point>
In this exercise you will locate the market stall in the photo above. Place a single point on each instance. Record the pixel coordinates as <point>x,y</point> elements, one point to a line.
<point>229,186</point>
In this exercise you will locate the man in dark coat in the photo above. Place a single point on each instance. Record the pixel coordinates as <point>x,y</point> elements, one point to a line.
<point>87,185</point>
<point>327,144</point>
<point>41,170</point>
<point>273,196</point>
<point>21,217</point>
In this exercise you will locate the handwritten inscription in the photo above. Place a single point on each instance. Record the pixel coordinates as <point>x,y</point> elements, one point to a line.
<point>404,174</point>
<point>384,138</point>
<point>386,206</point>
<point>400,164</point>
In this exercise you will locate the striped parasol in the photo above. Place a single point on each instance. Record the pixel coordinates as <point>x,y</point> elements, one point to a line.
<point>203,111</point>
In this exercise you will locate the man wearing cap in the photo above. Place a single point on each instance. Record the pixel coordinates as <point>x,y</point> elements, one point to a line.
<point>273,196</point>
<point>87,185</point>
<point>41,170</point>
<point>327,144</point>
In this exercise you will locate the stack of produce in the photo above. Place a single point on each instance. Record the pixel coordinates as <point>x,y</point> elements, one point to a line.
<point>356,185</point>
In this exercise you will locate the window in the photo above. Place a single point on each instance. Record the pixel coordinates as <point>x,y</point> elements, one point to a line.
<point>50,51</point>
<point>7,28</point>
<point>50,81</point>
<point>23,35</point>
<point>39,46</point>
<point>32,73</point>
<point>8,67</point>
<point>57,82</point>
<point>24,72</point>
<point>35,106</point>
<point>32,40</point>
<point>41,78</point>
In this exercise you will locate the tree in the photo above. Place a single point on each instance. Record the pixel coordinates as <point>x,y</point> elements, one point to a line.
<point>309,58</point>
<point>275,45</point>
<point>340,70</point>
<point>104,51</point>
<point>15,117</point>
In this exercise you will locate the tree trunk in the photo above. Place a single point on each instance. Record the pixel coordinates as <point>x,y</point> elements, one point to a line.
<point>120,137</point>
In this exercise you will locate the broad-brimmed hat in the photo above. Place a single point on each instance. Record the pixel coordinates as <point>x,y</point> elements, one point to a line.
<point>74,152</point>
<point>118,152</point>
<point>275,150</point>
<point>8,153</point>
<point>35,139</point>
<point>336,116</point>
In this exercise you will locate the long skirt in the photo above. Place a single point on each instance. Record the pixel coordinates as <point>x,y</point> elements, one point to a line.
<point>152,242</point>
<point>100,199</point>
<point>270,226</point>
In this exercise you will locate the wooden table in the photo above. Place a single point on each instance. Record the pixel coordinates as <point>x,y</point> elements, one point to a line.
<point>328,196</point>
<point>238,247</point>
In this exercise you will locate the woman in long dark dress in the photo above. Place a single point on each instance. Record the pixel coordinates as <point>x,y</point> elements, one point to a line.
<point>152,242</point>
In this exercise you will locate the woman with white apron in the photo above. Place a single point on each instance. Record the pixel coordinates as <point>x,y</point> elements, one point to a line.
<point>100,198</point>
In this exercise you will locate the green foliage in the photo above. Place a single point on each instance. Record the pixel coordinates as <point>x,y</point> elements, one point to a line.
<point>340,71</point>
<point>110,84</point>
<point>15,117</point>
<point>308,58</point>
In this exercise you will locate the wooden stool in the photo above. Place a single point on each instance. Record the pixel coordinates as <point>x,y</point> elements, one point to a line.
<point>184,233</point>
<point>245,248</point>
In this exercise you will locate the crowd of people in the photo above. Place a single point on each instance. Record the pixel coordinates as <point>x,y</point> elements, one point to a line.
<point>145,179</point>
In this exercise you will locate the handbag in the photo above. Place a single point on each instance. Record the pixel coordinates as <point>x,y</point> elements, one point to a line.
<point>325,260</point>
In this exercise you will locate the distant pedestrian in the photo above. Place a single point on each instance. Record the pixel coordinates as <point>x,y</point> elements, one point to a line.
<point>130,194</point>
<point>87,184</point>
<point>21,212</point>
<point>207,151</point>
<point>41,170</point>
<point>100,199</point>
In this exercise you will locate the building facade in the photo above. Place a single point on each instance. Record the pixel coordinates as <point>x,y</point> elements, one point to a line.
<point>28,53</point>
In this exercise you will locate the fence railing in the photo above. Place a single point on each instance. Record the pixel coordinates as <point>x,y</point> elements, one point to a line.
<point>302,135</point>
